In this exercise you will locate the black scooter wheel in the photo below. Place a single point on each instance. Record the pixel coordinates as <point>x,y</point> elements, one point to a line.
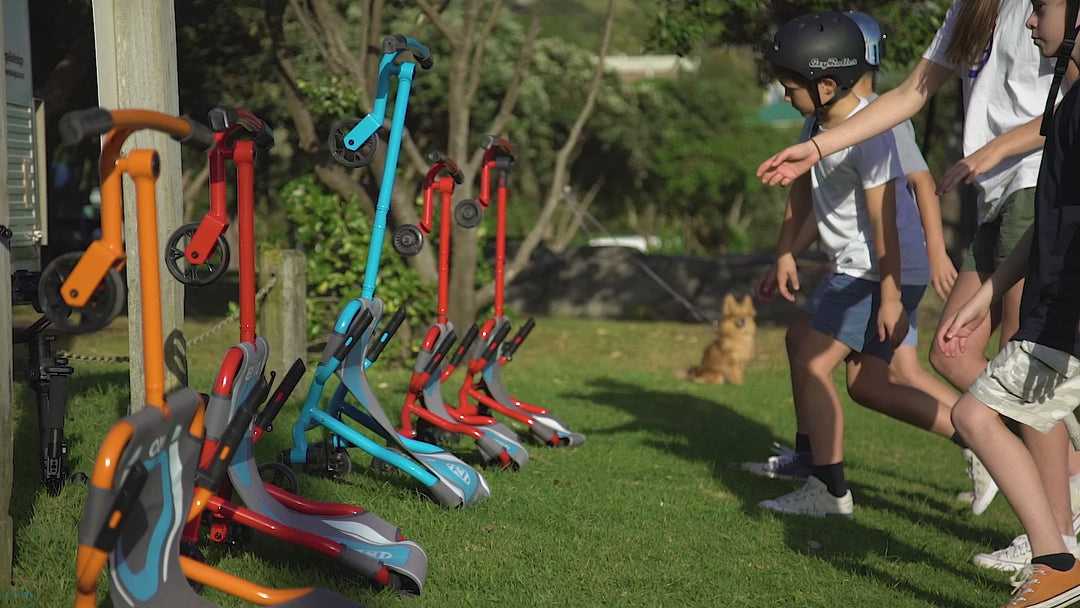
<point>407,240</point>
<point>213,263</point>
<point>280,475</point>
<point>341,151</point>
<point>468,214</point>
<point>338,464</point>
<point>104,305</point>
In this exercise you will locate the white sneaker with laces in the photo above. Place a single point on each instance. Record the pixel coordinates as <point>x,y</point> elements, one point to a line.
<point>786,464</point>
<point>812,499</point>
<point>1017,555</point>
<point>983,486</point>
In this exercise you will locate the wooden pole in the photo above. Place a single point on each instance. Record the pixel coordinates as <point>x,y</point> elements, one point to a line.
<point>136,62</point>
<point>283,314</point>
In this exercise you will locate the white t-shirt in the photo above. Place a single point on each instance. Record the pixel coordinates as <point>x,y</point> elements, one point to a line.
<point>838,189</point>
<point>1005,92</point>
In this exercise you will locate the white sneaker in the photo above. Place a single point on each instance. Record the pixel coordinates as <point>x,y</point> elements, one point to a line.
<point>1074,495</point>
<point>1017,555</point>
<point>812,499</point>
<point>984,489</point>
<point>786,464</point>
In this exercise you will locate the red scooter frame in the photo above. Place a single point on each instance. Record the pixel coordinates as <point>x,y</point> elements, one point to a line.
<point>483,383</point>
<point>497,444</point>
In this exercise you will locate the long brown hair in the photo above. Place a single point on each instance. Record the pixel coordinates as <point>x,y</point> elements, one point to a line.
<point>971,34</point>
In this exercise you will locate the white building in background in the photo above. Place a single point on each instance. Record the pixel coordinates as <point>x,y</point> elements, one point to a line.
<point>639,67</point>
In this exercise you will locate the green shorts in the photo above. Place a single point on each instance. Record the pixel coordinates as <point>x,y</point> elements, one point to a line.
<point>995,239</point>
<point>1032,384</point>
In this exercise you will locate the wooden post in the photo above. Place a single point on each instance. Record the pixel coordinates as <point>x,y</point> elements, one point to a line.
<point>136,67</point>
<point>283,315</point>
<point>7,436</point>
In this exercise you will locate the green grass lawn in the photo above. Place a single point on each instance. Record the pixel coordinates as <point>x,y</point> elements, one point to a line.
<point>653,510</point>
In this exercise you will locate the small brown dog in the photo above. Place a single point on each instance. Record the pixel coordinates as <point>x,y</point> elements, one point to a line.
<point>725,359</point>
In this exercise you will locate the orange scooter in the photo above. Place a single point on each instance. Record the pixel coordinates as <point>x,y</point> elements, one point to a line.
<point>143,484</point>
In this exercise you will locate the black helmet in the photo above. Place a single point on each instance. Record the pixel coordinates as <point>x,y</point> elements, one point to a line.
<point>820,45</point>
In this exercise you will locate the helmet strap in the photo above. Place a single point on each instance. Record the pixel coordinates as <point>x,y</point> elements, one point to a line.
<point>1063,55</point>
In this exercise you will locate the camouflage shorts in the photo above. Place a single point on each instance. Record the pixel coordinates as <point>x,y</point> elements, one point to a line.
<point>1032,384</point>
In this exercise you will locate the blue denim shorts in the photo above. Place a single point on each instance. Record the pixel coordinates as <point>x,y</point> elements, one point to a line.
<point>845,307</point>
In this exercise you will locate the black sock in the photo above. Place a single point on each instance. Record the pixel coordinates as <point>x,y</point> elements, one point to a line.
<point>958,440</point>
<point>802,443</point>
<point>832,475</point>
<point>1058,561</point>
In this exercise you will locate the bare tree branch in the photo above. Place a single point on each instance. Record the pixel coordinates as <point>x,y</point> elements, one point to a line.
<point>435,16</point>
<point>562,159</point>
<point>478,51</point>
<point>566,233</point>
<point>193,184</point>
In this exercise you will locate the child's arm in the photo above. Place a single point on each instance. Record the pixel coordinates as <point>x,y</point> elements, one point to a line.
<point>881,209</point>
<point>799,210</point>
<point>953,334</point>
<point>770,280</point>
<point>942,270</point>
<point>1021,140</point>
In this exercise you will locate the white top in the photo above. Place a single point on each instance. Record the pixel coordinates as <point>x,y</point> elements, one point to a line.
<point>838,189</point>
<point>1005,92</point>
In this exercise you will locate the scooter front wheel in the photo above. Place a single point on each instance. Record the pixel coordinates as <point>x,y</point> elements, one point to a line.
<point>468,214</point>
<point>212,266</point>
<point>280,475</point>
<point>104,305</point>
<point>341,149</point>
<point>407,240</point>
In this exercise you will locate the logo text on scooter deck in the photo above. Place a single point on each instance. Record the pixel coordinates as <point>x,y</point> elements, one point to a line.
<point>460,472</point>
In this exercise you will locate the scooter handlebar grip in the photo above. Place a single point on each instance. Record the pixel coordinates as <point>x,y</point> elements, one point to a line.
<point>519,338</point>
<point>211,477</point>
<point>494,141</point>
<point>496,340</point>
<point>222,117</point>
<point>384,337</point>
<point>395,43</point>
<point>466,342</point>
<point>440,355</point>
<point>123,501</point>
<point>77,125</point>
<point>201,137</point>
<point>281,395</point>
<point>356,329</point>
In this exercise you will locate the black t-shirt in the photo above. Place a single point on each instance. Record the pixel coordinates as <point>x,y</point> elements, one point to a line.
<point>1050,308</point>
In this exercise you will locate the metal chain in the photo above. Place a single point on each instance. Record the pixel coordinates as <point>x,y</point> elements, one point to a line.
<point>201,337</point>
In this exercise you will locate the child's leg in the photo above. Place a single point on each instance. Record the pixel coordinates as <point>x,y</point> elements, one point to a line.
<point>869,385</point>
<point>793,340</point>
<point>815,395</point>
<point>1050,451</point>
<point>907,369</point>
<point>962,370</point>
<point>1013,467</point>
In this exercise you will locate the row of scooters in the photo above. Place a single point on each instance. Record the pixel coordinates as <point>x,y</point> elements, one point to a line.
<point>169,473</point>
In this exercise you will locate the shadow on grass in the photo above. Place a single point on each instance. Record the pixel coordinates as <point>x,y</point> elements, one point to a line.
<point>702,430</point>
<point>209,302</point>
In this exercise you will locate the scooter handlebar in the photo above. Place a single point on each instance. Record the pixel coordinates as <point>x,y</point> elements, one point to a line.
<point>281,395</point>
<point>80,124</point>
<point>223,118</point>
<point>494,141</point>
<point>496,340</point>
<point>384,337</point>
<point>123,501</point>
<point>352,335</point>
<point>512,346</point>
<point>210,477</point>
<point>440,355</point>
<point>397,43</point>
<point>451,167</point>
<point>466,342</point>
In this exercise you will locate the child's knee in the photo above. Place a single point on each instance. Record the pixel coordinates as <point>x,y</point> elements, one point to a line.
<point>969,415</point>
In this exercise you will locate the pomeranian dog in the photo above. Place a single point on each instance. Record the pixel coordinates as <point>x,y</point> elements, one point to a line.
<point>725,359</point>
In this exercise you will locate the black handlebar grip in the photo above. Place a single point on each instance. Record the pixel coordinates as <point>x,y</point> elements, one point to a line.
<point>78,125</point>
<point>356,329</point>
<point>201,137</point>
<point>519,338</point>
<point>384,337</point>
<point>440,354</point>
<point>496,340</point>
<point>222,117</point>
<point>265,138</point>
<point>436,156</point>
<point>281,395</point>
<point>425,61</point>
<point>123,501</point>
<point>466,342</point>
<point>211,477</point>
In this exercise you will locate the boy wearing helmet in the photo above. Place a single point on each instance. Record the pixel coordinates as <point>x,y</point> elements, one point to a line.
<point>1035,379</point>
<point>917,397</point>
<point>880,268</point>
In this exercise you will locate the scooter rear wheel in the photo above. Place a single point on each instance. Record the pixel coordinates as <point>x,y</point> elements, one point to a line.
<point>104,305</point>
<point>212,267</point>
<point>407,240</point>
<point>468,214</point>
<point>280,475</point>
<point>340,150</point>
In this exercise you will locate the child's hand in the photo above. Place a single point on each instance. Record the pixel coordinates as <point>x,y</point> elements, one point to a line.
<point>942,274</point>
<point>968,168</point>
<point>953,334</point>
<point>766,285</point>
<point>782,168</point>
<point>787,274</point>
<point>892,322</point>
